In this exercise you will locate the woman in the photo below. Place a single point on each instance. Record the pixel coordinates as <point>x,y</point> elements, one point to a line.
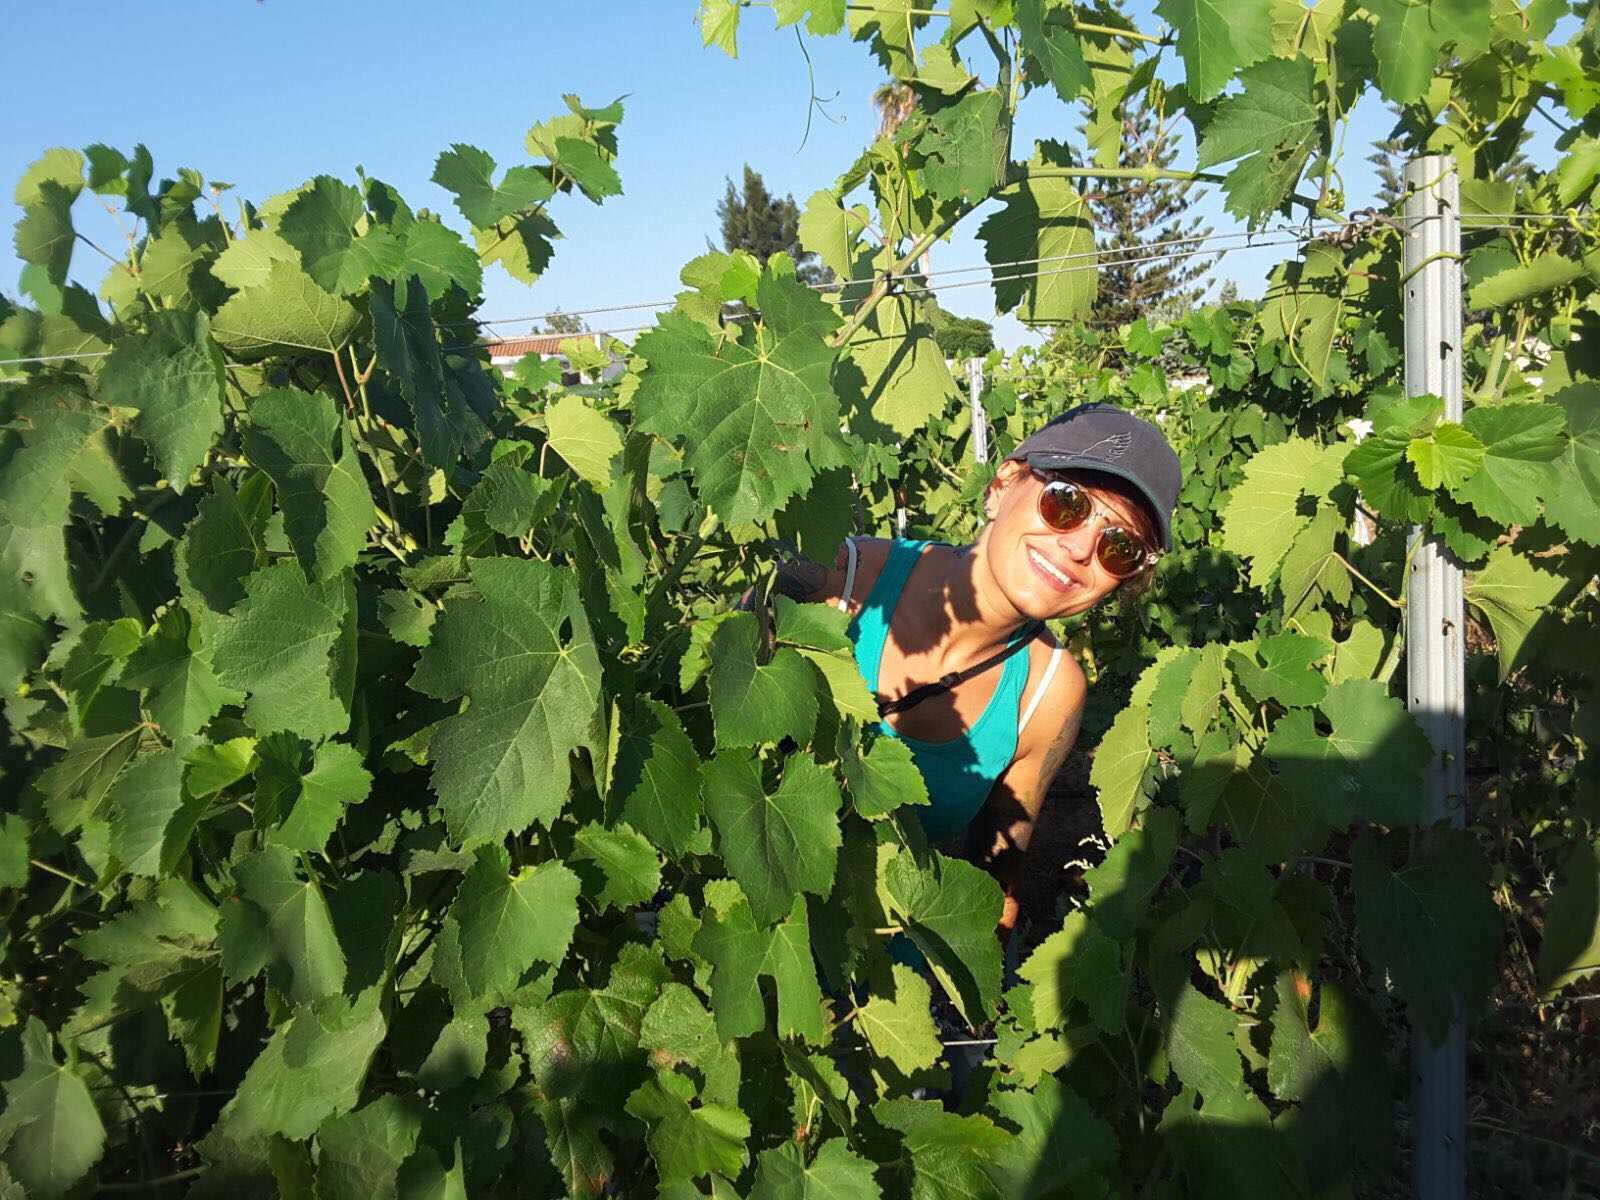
<point>1079,509</point>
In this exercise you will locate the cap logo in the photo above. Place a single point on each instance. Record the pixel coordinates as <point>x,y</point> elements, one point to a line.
<point>1116,446</point>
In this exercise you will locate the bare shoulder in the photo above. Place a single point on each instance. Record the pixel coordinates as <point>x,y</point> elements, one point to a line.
<point>807,581</point>
<point>1060,709</point>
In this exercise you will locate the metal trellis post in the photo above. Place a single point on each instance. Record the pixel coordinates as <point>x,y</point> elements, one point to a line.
<point>980,422</point>
<point>1435,640</point>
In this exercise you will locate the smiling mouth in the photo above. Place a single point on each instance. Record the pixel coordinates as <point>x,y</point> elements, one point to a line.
<point>1050,570</point>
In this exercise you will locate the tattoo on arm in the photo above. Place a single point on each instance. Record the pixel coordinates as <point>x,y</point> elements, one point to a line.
<point>800,579</point>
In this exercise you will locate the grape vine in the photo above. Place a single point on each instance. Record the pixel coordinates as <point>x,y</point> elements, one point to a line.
<point>402,808</point>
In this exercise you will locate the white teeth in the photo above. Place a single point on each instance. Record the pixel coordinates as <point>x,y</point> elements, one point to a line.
<point>1050,568</point>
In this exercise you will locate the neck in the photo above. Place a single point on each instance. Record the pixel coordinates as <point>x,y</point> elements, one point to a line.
<point>965,614</point>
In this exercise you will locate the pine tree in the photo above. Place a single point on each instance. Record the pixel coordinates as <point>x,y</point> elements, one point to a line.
<point>1157,285</point>
<point>560,322</point>
<point>755,220</point>
<point>1391,176</point>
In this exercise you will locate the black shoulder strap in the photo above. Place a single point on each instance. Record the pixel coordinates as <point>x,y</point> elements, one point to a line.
<point>917,695</point>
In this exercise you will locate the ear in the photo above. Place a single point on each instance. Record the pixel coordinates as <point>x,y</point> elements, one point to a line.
<point>1006,476</point>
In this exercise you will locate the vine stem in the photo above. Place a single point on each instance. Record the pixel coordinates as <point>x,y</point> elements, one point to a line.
<point>57,872</point>
<point>1383,595</point>
<point>140,1185</point>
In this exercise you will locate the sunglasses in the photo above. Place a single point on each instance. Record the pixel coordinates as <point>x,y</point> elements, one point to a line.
<point>1064,506</point>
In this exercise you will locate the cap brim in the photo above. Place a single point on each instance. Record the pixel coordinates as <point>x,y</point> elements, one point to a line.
<point>1056,461</point>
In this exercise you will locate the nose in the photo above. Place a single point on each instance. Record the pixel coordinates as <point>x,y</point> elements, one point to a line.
<point>1079,542</point>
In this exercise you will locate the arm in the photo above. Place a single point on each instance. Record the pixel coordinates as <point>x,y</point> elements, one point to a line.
<point>803,581</point>
<point>998,839</point>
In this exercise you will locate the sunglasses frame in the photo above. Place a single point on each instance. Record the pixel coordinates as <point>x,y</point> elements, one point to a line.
<point>1151,556</point>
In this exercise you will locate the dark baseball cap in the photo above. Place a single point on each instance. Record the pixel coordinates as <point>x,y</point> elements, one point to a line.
<point>1103,437</point>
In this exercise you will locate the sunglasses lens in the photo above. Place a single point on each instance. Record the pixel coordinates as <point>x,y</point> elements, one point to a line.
<point>1063,505</point>
<point>1121,553</point>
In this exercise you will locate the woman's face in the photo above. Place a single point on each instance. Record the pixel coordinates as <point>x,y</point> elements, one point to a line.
<point>1043,572</point>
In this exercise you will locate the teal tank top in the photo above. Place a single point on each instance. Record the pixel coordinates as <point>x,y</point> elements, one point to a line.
<point>961,772</point>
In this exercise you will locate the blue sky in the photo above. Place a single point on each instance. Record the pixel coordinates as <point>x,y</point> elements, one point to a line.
<point>267,94</point>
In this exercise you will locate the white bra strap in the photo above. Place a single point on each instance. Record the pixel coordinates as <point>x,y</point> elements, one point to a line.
<point>849,575</point>
<point>1044,686</point>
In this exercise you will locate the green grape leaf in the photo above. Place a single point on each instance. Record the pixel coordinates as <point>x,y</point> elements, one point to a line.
<point>835,1173</point>
<point>1045,227</point>
<point>950,909</point>
<point>1055,46</point>
<point>951,1155</point>
<point>755,702</point>
<point>1229,1146</point>
<point>1123,884</point>
<point>1573,500</point>
<point>144,803</point>
<point>625,860</point>
<point>298,806</point>
<point>1447,457</point>
<point>226,541</point>
<point>438,257</point>
<point>585,438</point>
<point>359,1153</point>
<point>1432,924</point>
<point>583,1044</point>
<point>502,923</point>
<point>1387,479</point>
<point>45,235</point>
<point>1513,593</point>
<point>287,313</point>
<point>299,439</point>
<point>1260,522</point>
<point>1274,110</point>
<point>1337,1071</point>
<point>1409,36</point>
<point>1121,768</point>
<point>900,1027</point>
<point>1216,39</point>
<point>777,846</point>
<point>278,923</point>
<point>172,374</point>
<point>1078,962</point>
<point>883,776</point>
<point>896,377</point>
<point>1286,669</point>
<point>965,146</point>
<point>524,657</point>
<point>763,413</point>
<point>321,224</point>
<point>655,777</point>
<point>468,174</point>
<point>173,671</point>
<point>1200,1043</point>
<point>311,1070</point>
<point>740,953</point>
<point>1312,570</point>
<point>247,261</point>
<point>582,162</point>
<point>686,1140</point>
<point>679,1029</point>
<point>75,786</point>
<point>1520,442</point>
<point>290,645</point>
<point>40,474</point>
<point>53,1132</point>
<point>1569,950</point>
<point>1369,767</point>
<point>1058,1138</point>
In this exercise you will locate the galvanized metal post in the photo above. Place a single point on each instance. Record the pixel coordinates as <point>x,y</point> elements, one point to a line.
<point>980,422</point>
<point>1435,642</point>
